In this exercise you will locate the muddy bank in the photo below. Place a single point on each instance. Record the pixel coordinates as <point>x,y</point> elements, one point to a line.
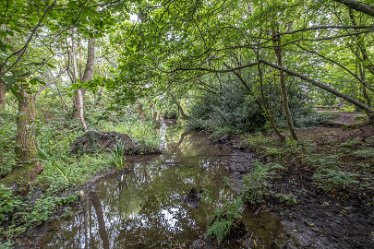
<point>340,218</point>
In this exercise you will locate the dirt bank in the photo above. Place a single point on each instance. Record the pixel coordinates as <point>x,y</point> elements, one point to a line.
<point>341,217</point>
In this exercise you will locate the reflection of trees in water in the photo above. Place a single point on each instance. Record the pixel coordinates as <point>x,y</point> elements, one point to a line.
<point>147,204</point>
<point>100,218</point>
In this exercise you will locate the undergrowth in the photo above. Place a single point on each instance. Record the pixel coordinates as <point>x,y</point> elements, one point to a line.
<point>225,218</point>
<point>63,172</point>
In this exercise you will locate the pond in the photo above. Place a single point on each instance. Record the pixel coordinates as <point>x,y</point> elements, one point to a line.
<point>165,201</point>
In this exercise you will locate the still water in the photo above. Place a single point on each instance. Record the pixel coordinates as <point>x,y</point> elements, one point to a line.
<point>165,201</point>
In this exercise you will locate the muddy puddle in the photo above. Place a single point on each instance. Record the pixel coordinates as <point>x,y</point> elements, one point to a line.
<point>165,201</point>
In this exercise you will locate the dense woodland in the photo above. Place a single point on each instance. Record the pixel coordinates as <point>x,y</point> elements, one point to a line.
<point>265,72</point>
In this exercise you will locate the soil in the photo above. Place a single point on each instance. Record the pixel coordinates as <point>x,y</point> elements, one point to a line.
<point>342,218</point>
<point>95,142</point>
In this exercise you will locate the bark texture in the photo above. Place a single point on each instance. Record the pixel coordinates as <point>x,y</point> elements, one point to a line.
<point>78,112</point>
<point>26,149</point>
<point>2,93</point>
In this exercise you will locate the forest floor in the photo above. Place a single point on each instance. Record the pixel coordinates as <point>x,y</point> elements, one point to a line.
<point>327,181</point>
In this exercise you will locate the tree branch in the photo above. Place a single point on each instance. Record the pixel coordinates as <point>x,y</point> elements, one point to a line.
<point>356,5</point>
<point>324,86</point>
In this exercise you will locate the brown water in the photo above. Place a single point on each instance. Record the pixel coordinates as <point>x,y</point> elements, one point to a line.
<point>165,202</point>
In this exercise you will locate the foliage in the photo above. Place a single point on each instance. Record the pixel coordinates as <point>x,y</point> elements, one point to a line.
<point>62,172</point>
<point>225,218</point>
<point>142,132</point>
<point>288,199</point>
<point>364,153</point>
<point>8,203</point>
<point>256,184</point>
<point>118,155</point>
<point>229,111</point>
<point>332,178</point>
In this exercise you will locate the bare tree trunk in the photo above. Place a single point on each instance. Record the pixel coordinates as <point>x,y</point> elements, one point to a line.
<point>2,93</point>
<point>26,149</point>
<point>78,111</point>
<point>282,82</point>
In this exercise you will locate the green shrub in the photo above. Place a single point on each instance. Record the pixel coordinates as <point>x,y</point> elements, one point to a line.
<point>288,199</point>
<point>232,109</point>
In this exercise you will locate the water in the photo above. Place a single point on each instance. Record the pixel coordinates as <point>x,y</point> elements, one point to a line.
<point>165,201</point>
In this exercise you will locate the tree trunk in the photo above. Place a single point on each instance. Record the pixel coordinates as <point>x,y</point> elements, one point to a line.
<point>282,82</point>
<point>264,105</point>
<point>2,93</point>
<point>26,149</point>
<point>78,112</point>
<point>181,111</point>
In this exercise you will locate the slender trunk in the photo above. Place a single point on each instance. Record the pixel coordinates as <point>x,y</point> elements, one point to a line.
<point>140,110</point>
<point>282,82</point>
<point>26,148</point>
<point>181,111</point>
<point>264,106</point>
<point>78,112</point>
<point>2,93</point>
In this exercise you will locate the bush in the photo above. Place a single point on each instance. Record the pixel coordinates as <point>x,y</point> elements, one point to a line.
<point>232,110</point>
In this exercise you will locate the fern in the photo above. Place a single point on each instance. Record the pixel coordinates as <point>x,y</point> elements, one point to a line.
<point>225,219</point>
<point>332,178</point>
<point>219,229</point>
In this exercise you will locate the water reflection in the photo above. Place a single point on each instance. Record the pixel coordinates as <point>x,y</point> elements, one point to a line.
<point>149,207</point>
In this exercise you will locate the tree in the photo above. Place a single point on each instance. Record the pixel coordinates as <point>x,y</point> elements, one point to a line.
<point>32,30</point>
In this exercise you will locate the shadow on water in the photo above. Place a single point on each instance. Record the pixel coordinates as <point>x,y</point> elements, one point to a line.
<point>164,202</point>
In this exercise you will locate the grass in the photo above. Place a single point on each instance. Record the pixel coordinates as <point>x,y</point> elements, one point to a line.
<point>142,132</point>
<point>63,172</point>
